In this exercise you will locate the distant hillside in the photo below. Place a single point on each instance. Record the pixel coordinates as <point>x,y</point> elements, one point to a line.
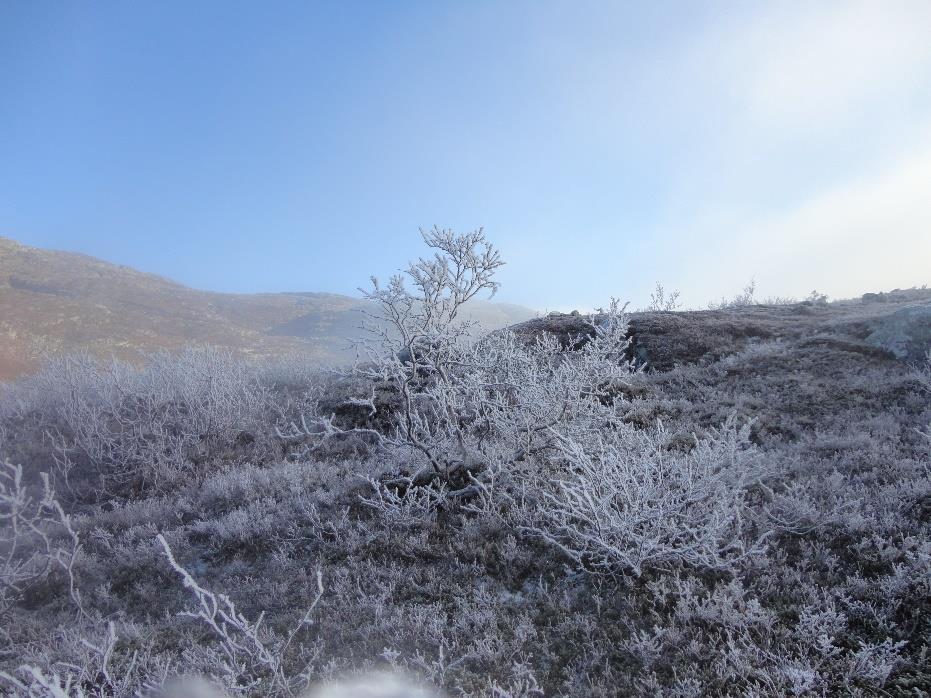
<point>53,302</point>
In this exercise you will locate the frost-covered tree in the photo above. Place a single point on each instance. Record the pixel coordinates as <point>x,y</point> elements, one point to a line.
<point>530,431</point>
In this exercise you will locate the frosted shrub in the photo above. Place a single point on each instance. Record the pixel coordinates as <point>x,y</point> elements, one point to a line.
<point>122,429</point>
<point>663,302</point>
<point>626,504</point>
<point>504,405</point>
<point>469,410</point>
<point>36,538</point>
<point>250,656</point>
<point>743,299</point>
<point>94,672</point>
<point>424,341</point>
<point>422,350</point>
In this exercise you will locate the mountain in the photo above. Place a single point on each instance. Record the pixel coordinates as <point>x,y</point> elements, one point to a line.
<point>55,302</point>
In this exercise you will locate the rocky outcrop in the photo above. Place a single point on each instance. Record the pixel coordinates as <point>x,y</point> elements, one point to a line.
<point>906,333</point>
<point>897,327</point>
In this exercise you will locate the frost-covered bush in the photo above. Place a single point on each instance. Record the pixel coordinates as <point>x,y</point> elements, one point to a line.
<point>746,297</point>
<point>250,656</point>
<point>661,301</point>
<point>626,503</point>
<point>121,429</point>
<point>36,538</point>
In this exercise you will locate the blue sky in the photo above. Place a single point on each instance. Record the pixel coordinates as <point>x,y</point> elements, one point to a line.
<point>603,146</point>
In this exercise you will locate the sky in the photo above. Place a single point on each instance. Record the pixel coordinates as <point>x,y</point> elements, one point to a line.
<point>603,147</point>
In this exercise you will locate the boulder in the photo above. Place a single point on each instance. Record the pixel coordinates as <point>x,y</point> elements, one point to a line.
<point>906,333</point>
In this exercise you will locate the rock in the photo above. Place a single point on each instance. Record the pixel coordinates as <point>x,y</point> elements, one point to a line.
<point>906,332</point>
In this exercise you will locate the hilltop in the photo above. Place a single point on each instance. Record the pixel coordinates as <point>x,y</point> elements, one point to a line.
<point>893,325</point>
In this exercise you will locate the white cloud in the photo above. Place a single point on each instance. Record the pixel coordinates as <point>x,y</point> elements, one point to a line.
<point>788,141</point>
<point>798,65</point>
<point>872,233</point>
<point>819,174</point>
